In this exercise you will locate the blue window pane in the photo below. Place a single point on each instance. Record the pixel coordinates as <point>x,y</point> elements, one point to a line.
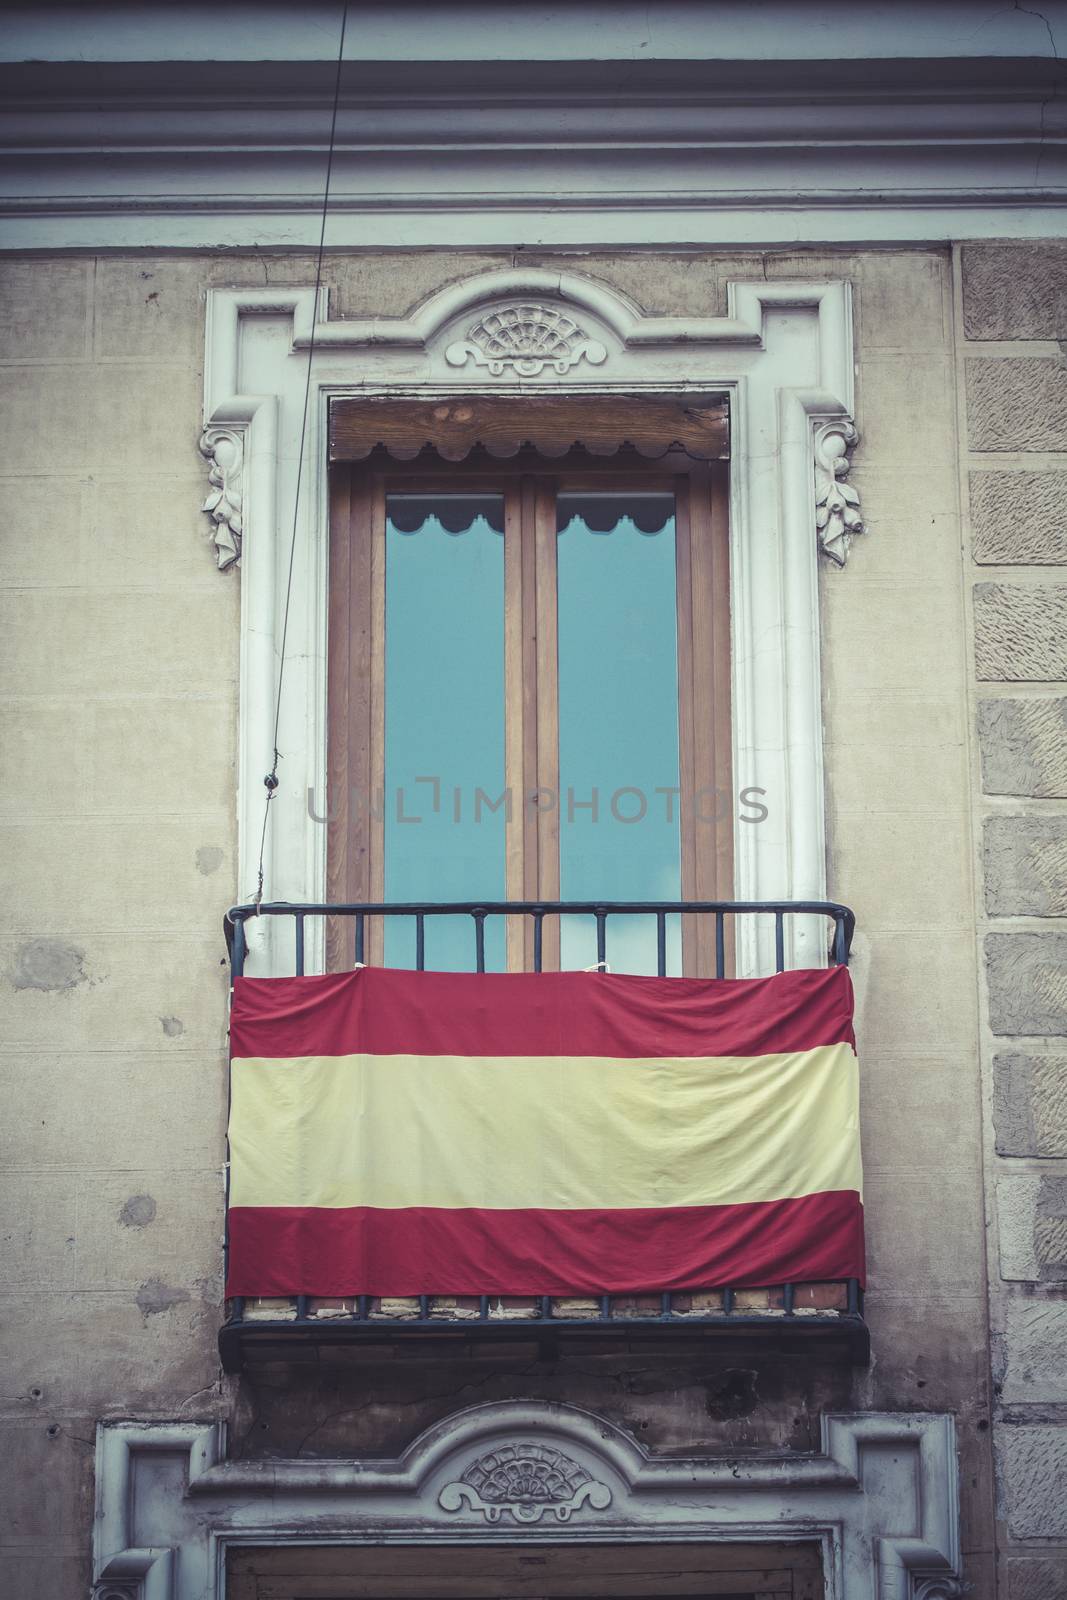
<point>444,720</point>
<point>620,837</point>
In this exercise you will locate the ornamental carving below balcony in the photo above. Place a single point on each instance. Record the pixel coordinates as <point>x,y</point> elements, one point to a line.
<point>527,339</point>
<point>526,1480</point>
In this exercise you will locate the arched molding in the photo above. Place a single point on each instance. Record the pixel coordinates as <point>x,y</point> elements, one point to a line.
<point>886,1534</point>
<point>782,356</point>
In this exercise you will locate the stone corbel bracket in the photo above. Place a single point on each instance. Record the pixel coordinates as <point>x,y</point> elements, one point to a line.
<point>837,504</point>
<point>224,449</point>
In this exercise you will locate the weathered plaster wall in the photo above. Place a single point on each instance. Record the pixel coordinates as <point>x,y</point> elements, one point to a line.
<point>122,644</point>
<point>1014,310</point>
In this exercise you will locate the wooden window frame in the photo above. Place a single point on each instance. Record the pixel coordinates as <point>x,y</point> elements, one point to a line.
<point>472,1571</point>
<point>529,484</point>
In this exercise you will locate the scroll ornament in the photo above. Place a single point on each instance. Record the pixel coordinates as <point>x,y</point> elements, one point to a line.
<point>224,450</point>
<point>837,503</point>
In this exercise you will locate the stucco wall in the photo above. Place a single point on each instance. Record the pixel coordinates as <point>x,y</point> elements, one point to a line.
<point>120,704</point>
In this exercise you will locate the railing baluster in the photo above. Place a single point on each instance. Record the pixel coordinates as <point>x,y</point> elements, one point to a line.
<point>363,1307</point>
<point>840,952</point>
<point>302,1307</point>
<point>240,948</point>
<point>601,938</point>
<point>788,1297</point>
<point>538,922</point>
<point>720,945</point>
<point>661,944</point>
<point>420,943</point>
<point>360,937</point>
<point>479,939</point>
<point>299,923</point>
<point>727,1302</point>
<point>779,942</point>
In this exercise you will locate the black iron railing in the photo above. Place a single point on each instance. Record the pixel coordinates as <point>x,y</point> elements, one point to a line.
<point>711,913</point>
<point>791,1314</point>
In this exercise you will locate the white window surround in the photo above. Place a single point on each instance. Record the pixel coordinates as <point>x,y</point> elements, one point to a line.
<point>783,355</point>
<point>880,1498</point>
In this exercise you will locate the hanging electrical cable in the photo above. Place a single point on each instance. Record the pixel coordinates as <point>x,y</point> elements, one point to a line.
<point>270,782</point>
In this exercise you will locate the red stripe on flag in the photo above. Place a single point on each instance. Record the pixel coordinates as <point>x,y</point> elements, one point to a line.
<point>360,1250</point>
<point>383,1011</point>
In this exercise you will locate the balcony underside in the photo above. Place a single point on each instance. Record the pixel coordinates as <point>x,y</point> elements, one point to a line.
<point>773,1320</point>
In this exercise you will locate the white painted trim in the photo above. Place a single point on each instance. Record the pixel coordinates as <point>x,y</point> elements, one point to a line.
<point>122,1568</point>
<point>889,1535</point>
<point>783,354</point>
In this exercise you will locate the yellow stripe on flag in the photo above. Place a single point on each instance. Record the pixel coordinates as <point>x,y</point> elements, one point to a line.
<point>555,1132</point>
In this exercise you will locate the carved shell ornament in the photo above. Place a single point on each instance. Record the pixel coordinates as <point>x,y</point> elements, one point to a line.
<point>527,1481</point>
<point>526,338</point>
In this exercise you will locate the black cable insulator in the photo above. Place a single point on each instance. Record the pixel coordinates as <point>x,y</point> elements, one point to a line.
<point>271,781</point>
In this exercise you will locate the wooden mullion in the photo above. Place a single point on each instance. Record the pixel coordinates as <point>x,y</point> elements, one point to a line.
<point>686,715</point>
<point>547,820</point>
<point>518,718</point>
<point>355,722</point>
<point>339,681</point>
<point>709,691</point>
<point>374,810</point>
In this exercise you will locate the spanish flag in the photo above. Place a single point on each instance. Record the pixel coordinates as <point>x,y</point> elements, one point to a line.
<point>406,1133</point>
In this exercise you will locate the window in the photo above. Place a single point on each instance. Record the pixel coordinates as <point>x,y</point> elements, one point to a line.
<point>529,693</point>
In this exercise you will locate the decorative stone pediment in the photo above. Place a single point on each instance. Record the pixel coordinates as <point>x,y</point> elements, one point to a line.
<point>780,361</point>
<point>559,1472</point>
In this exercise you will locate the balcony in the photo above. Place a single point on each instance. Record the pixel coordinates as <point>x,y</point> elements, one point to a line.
<point>823,1318</point>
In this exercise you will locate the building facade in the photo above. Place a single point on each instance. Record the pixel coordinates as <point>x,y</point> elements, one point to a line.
<point>255,267</point>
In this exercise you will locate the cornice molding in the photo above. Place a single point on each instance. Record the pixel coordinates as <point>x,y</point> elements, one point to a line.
<point>561,1472</point>
<point>217,153</point>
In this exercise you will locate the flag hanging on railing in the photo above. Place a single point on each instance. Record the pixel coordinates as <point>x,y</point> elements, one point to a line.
<point>405,1133</point>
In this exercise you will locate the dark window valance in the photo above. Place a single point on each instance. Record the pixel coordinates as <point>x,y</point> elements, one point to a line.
<point>503,425</point>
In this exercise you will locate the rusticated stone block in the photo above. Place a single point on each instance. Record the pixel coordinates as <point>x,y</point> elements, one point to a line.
<point>1015,291</point>
<point>1037,1578</point>
<point>1025,861</point>
<point>1017,403</point>
<point>1020,632</point>
<point>1024,747</point>
<point>1035,1468</point>
<point>1034,1363</point>
<point>1030,1105</point>
<point>1019,518</point>
<point>1027,974</point>
<point>1032,1223</point>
